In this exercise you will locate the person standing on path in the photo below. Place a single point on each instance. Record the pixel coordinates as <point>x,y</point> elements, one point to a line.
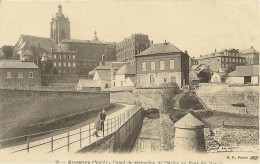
<point>100,122</point>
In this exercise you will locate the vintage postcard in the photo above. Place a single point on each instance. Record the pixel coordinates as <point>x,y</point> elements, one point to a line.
<point>129,82</point>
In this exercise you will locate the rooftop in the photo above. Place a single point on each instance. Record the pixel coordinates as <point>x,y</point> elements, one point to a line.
<point>246,70</point>
<point>249,51</point>
<point>17,64</point>
<point>85,41</point>
<point>190,120</point>
<point>88,83</point>
<point>35,41</point>
<point>104,74</point>
<point>161,48</point>
<point>128,69</point>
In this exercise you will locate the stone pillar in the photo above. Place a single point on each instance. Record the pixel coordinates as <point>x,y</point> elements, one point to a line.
<point>189,134</point>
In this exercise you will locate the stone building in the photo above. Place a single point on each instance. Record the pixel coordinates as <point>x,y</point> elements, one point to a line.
<point>15,74</point>
<point>251,55</point>
<point>125,76</point>
<point>162,63</point>
<point>127,49</point>
<point>248,74</point>
<point>219,61</point>
<point>60,27</point>
<point>32,48</point>
<point>79,57</point>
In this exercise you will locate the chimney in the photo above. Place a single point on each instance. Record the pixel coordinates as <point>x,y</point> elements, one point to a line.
<point>186,52</point>
<point>164,41</point>
<point>151,41</point>
<point>252,47</point>
<point>215,50</point>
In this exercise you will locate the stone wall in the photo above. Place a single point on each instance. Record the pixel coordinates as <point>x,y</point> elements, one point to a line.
<point>232,139</point>
<point>221,97</point>
<point>121,140</point>
<point>21,109</point>
<point>126,97</point>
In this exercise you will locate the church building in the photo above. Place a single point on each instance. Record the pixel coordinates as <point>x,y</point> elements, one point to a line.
<point>60,26</point>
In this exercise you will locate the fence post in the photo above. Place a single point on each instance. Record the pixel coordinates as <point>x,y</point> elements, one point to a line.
<point>89,133</point>
<point>107,127</point>
<point>68,141</point>
<point>111,125</point>
<point>51,141</point>
<point>80,137</point>
<point>118,122</point>
<point>28,144</point>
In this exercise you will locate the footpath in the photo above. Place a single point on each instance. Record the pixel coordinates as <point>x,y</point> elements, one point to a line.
<point>71,139</point>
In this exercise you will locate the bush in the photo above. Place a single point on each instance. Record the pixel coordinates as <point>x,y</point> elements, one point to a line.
<point>169,92</point>
<point>189,100</point>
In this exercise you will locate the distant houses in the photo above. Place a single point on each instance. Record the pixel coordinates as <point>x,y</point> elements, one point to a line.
<point>16,74</point>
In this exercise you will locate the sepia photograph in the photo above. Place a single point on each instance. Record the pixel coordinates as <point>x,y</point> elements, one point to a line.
<point>129,82</point>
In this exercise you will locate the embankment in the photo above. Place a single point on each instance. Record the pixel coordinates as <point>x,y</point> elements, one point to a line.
<point>22,109</point>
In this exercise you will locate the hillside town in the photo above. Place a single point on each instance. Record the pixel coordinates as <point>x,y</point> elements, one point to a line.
<point>61,62</point>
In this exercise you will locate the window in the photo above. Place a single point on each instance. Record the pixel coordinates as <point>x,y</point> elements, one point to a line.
<point>173,79</point>
<point>74,56</point>
<point>60,64</point>
<point>143,66</point>
<point>152,66</point>
<point>8,74</point>
<point>161,65</point>
<point>68,57</point>
<point>20,85</point>
<point>30,74</point>
<point>171,64</point>
<point>165,80</point>
<point>64,64</point>
<point>54,64</point>
<point>151,78</point>
<point>141,79</point>
<point>69,64</point>
<point>74,64</point>
<point>54,56</point>
<point>20,74</point>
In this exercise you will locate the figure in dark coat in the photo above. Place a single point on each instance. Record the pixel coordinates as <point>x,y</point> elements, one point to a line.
<point>100,122</point>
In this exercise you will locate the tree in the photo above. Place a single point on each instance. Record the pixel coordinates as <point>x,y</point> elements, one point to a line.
<point>8,52</point>
<point>230,68</point>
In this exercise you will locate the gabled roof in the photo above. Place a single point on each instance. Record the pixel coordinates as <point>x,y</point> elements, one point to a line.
<point>104,74</point>
<point>246,70</point>
<point>88,83</point>
<point>35,41</point>
<point>17,64</point>
<point>161,48</point>
<point>249,51</point>
<point>127,69</point>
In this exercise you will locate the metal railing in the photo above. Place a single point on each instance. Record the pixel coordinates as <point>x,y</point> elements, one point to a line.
<point>64,138</point>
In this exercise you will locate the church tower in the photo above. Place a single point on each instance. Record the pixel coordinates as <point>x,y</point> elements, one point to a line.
<point>60,26</point>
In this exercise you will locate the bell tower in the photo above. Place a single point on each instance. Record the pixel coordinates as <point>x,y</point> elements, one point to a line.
<point>60,26</point>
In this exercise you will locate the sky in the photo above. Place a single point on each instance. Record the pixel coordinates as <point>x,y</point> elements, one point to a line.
<point>198,26</point>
